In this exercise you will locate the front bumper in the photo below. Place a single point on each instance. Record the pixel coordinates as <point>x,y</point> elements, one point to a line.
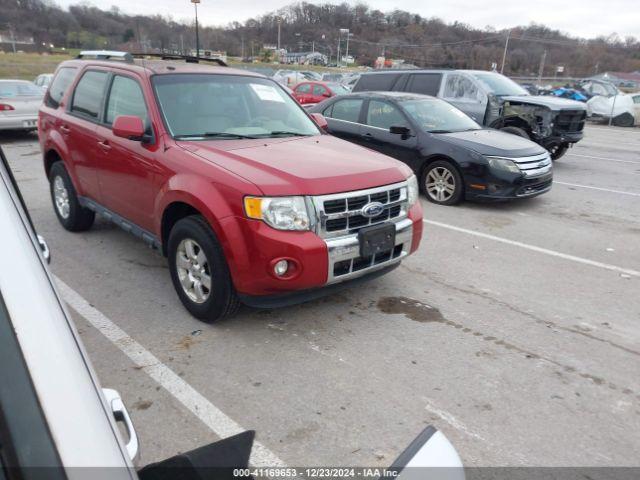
<point>252,248</point>
<point>509,187</point>
<point>562,138</point>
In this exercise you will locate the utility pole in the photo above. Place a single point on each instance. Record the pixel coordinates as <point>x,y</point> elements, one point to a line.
<point>13,38</point>
<point>541,69</point>
<point>504,55</point>
<point>338,52</point>
<point>279,24</point>
<point>195,4</point>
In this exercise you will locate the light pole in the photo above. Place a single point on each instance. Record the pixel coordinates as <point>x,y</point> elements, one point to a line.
<point>504,54</point>
<point>195,4</point>
<point>344,30</point>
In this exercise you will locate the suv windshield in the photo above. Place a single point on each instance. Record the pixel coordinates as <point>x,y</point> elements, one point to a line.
<point>499,85</point>
<point>437,116</point>
<point>199,106</point>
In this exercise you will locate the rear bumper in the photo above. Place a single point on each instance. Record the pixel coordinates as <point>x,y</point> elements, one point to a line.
<point>19,122</point>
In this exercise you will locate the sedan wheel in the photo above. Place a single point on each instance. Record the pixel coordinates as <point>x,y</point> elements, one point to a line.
<point>193,271</point>
<point>441,185</point>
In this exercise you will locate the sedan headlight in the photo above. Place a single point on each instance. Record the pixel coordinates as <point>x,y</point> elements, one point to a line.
<point>503,164</point>
<point>412,190</point>
<point>281,213</point>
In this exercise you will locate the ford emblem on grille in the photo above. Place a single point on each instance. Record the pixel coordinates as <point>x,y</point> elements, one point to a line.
<point>372,209</point>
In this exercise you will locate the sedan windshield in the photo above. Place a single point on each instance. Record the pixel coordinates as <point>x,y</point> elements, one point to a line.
<point>500,85</point>
<point>211,106</point>
<point>437,116</point>
<point>19,89</point>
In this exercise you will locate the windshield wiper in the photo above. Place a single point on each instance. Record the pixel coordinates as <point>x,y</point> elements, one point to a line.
<point>213,135</point>
<point>288,133</point>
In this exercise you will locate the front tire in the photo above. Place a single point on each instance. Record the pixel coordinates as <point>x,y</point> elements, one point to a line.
<point>557,151</point>
<point>516,131</point>
<point>199,270</point>
<point>73,216</point>
<point>442,183</point>
<point>624,120</point>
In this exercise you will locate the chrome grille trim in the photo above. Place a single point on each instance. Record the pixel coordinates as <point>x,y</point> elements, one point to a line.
<point>355,215</point>
<point>531,166</point>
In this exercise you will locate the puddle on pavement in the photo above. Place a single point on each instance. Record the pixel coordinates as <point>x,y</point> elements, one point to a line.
<point>418,311</point>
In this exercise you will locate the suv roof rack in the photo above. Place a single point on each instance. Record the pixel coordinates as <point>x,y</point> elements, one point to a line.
<point>176,56</point>
<point>106,55</point>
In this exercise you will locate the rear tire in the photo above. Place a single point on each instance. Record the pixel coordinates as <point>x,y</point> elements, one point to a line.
<point>624,120</point>
<point>516,131</point>
<point>199,270</point>
<point>441,182</point>
<point>73,216</point>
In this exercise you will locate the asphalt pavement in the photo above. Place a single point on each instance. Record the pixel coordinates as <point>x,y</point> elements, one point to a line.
<point>515,329</point>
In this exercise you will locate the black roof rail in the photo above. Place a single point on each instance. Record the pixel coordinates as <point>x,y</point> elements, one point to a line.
<point>176,56</point>
<point>106,55</point>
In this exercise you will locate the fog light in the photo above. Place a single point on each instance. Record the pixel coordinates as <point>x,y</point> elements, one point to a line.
<point>281,267</point>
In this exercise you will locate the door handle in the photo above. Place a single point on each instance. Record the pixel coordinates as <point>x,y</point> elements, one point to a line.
<point>65,130</point>
<point>120,414</point>
<point>367,136</point>
<point>104,146</point>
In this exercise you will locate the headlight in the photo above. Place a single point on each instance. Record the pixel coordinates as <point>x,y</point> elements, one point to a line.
<point>503,164</point>
<point>412,190</point>
<point>281,213</point>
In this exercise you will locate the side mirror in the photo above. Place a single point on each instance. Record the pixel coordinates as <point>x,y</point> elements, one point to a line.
<point>129,127</point>
<point>320,121</point>
<point>327,94</point>
<point>431,456</point>
<point>398,130</point>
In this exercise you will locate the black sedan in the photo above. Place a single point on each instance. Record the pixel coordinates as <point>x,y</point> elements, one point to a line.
<point>453,156</point>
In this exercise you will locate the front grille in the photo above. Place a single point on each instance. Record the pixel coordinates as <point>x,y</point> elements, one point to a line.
<point>534,166</point>
<point>341,214</point>
<point>570,121</point>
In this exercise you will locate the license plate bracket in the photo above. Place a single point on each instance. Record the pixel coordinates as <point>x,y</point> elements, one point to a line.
<point>377,239</point>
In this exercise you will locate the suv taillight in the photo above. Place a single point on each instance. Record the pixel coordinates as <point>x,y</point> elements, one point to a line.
<point>5,107</point>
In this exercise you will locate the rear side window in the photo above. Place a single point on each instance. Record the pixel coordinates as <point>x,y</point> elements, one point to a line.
<point>59,86</point>
<point>376,82</point>
<point>126,98</point>
<point>424,83</point>
<point>304,88</point>
<point>460,88</point>
<point>347,109</point>
<point>87,97</point>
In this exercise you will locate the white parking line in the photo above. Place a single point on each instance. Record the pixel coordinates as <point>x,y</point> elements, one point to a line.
<point>217,421</point>
<point>602,158</point>
<point>546,251</point>
<point>621,192</point>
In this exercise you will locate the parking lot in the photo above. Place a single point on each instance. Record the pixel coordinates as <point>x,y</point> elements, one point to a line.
<point>515,329</point>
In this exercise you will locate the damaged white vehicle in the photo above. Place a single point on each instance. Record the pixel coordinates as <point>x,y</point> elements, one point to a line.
<point>623,109</point>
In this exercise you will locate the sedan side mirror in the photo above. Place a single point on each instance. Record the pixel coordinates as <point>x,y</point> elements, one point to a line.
<point>129,127</point>
<point>403,131</point>
<point>320,121</point>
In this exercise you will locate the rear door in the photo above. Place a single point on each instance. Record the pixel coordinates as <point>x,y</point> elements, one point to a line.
<point>126,168</point>
<point>462,92</point>
<point>78,127</point>
<point>424,83</point>
<point>302,92</point>
<point>344,117</point>
<point>380,117</point>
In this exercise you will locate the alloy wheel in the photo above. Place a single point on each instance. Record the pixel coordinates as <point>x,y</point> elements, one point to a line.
<point>61,196</point>
<point>193,270</point>
<point>440,184</point>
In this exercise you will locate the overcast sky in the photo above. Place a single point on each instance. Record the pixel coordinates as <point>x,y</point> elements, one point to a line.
<point>584,18</point>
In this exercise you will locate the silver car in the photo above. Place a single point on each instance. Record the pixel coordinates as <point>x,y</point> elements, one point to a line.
<point>19,104</point>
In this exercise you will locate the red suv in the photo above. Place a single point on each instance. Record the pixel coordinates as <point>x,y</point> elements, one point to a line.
<point>227,176</point>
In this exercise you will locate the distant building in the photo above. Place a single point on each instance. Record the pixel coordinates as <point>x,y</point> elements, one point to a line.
<point>620,79</point>
<point>210,54</point>
<point>304,58</point>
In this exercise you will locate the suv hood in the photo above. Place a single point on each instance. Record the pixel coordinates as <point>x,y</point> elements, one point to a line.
<point>553,103</point>
<point>316,165</point>
<point>493,142</point>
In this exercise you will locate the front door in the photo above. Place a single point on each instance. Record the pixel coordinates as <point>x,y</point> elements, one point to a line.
<point>380,117</point>
<point>128,167</point>
<point>462,92</point>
